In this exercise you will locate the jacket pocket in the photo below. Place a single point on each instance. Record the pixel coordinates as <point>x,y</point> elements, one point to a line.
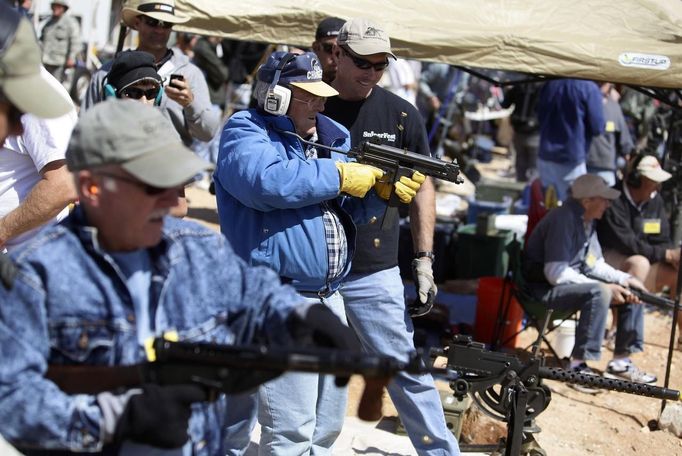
<point>77,342</point>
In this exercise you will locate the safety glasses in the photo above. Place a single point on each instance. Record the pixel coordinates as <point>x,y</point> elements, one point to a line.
<point>136,93</point>
<point>151,22</point>
<point>312,103</point>
<point>364,64</point>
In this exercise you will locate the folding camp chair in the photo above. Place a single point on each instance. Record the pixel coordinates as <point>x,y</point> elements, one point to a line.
<point>538,315</point>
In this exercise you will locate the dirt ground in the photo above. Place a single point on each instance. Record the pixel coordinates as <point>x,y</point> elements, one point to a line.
<point>574,424</point>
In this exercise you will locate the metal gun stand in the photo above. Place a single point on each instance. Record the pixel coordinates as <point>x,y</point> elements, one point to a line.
<point>671,345</point>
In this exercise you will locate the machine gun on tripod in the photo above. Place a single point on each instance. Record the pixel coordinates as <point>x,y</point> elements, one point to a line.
<point>510,390</point>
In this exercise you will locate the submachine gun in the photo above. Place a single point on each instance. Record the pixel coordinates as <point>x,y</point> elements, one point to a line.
<point>395,163</point>
<point>510,390</point>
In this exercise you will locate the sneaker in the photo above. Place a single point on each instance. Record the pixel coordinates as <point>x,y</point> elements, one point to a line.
<point>629,372</point>
<point>584,369</point>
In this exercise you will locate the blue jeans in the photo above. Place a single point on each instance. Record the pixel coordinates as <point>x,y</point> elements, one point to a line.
<point>560,175</point>
<point>593,300</point>
<point>299,413</point>
<point>375,307</point>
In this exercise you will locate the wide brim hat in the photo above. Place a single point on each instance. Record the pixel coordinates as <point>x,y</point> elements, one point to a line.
<point>161,10</point>
<point>26,83</point>
<point>64,3</point>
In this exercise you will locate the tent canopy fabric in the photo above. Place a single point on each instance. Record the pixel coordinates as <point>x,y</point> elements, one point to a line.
<point>636,42</point>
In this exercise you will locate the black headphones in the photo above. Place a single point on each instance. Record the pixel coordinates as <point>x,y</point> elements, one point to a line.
<point>634,178</point>
<point>278,97</point>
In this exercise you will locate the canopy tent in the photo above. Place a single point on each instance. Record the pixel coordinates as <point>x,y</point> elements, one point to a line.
<point>635,42</point>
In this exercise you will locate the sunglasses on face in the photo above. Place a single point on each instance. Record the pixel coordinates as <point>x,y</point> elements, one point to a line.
<point>364,64</point>
<point>136,93</point>
<point>151,22</point>
<point>327,47</point>
<point>148,189</point>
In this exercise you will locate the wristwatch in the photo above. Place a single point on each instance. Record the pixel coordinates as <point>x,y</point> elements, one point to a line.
<point>428,254</point>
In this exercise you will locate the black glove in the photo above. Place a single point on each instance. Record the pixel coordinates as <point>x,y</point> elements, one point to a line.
<point>159,416</point>
<point>328,331</point>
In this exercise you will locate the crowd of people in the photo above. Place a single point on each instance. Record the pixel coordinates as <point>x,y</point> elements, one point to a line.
<point>97,260</point>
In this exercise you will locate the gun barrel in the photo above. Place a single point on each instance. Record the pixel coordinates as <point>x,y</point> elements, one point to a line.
<point>650,298</point>
<point>623,386</point>
<point>378,154</point>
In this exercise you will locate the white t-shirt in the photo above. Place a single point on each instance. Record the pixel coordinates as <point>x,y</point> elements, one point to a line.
<point>22,158</point>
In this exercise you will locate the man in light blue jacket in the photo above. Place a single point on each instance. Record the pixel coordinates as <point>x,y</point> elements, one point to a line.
<point>280,205</point>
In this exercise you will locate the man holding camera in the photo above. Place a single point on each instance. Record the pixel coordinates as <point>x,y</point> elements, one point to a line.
<point>186,100</point>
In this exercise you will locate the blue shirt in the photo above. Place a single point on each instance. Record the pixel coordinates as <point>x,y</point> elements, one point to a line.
<point>570,113</point>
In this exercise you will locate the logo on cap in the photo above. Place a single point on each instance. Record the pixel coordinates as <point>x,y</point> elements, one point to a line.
<point>316,73</point>
<point>372,32</point>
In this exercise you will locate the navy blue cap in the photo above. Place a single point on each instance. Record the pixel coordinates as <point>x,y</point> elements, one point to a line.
<point>329,26</point>
<point>301,70</point>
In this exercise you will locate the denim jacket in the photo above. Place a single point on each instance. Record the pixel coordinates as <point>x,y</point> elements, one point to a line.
<point>70,305</point>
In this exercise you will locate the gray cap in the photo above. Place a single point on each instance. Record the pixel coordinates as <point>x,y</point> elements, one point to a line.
<point>64,3</point>
<point>364,37</point>
<point>138,138</point>
<point>23,79</point>
<point>592,185</point>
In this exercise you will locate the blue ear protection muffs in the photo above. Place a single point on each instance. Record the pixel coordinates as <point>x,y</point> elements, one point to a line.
<point>278,98</point>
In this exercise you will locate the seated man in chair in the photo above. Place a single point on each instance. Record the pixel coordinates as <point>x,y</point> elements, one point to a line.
<point>562,260</point>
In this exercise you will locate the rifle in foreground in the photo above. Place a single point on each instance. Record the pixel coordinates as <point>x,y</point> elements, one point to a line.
<point>654,300</point>
<point>235,369</point>
<point>510,390</point>
<point>395,163</point>
<point>645,296</point>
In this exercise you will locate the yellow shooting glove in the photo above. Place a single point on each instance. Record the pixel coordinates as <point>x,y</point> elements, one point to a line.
<point>356,179</point>
<point>406,188</point>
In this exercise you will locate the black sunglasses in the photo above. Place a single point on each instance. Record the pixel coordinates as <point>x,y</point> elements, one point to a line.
<point>327,47</point>
<point>148,189</point>
<point>365,64</point>
<point>151,22</point>
<point>137,93</point>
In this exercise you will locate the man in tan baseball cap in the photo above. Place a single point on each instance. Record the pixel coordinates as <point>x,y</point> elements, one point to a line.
<point>25,86</point>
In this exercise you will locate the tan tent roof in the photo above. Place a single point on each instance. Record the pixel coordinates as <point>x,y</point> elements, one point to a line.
<point>637,42</point>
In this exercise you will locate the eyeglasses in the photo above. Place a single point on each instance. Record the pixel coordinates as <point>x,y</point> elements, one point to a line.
<point>151,22</point>
<point>316,100</point>
<point>364,64</point>
<point>136,93</point>
<point>148,189</point>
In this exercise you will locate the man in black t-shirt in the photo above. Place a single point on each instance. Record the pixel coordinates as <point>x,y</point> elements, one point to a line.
<point>373,292</point>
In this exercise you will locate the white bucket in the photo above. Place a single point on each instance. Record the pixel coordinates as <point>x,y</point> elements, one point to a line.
<point>564,338</point>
